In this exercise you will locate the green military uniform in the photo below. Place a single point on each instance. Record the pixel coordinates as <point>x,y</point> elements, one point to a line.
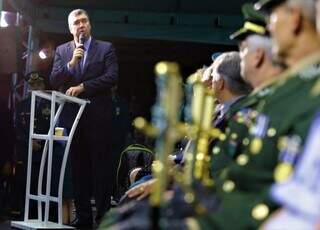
<point>242,113</point>
<point>244,190</point>
<point>240,118</point>
<point>281,116</point>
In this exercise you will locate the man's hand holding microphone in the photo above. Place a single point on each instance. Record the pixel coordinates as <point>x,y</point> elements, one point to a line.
<point>78,54</point>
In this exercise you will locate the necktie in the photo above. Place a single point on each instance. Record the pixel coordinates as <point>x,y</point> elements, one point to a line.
<point>82,60</point>
<point>218,116</point>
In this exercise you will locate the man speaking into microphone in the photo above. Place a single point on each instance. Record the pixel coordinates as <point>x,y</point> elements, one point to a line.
<point>87,68</point>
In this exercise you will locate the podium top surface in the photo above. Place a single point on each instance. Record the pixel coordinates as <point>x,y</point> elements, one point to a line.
<point>59,97</point>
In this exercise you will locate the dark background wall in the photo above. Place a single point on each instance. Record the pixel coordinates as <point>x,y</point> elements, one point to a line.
<point>190,6</point>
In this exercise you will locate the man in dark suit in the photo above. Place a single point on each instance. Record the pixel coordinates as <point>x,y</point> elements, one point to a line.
<point>87,68</point>
<point>223,77</point>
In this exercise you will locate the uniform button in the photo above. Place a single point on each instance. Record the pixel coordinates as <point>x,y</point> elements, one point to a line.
<point>222,137</point>
<point>282,143</point>
<point>271,132</point>
<point>256,146</point>
<point>228,186</point>
<point>242,159</point>
<point>245,141</point>
<point>216,150</point>
<point>227,130</point>
<point>254,114</point>
<point>189,197</point>
<point>282,172</point>
<point>234,136</point>
<point>260,212</point>
<point>240,120</point>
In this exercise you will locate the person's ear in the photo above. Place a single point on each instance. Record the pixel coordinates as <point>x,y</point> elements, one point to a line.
<point>259,57</point>
<point>296,19</point>
<point>220,84</point>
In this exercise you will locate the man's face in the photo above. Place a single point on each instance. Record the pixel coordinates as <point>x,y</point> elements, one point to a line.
<point>282,29</point>
<point>217,80</point>
<point>80,24</point>
<point>247,62</point>
<point>207,77</point>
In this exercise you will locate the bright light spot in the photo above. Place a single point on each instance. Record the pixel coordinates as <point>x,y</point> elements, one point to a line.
<point>42,54</point>
<point>3,21</point>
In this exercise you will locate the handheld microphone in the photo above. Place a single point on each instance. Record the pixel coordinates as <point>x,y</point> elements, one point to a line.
<point>81,39</point>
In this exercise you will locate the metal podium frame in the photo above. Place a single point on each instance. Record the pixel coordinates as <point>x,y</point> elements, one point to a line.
<point>40,223</point>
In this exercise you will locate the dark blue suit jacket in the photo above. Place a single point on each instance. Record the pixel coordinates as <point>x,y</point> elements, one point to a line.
<point>100,70</point>
<point>100,74</point>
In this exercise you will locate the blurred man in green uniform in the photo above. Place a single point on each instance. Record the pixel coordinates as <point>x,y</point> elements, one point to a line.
<point>303,185</point>
<point>258,69</point>
<point>281,120</point>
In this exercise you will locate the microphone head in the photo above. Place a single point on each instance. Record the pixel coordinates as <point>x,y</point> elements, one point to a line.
<point>81,39</point>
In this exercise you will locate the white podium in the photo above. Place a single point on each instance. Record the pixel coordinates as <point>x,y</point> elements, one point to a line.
<point>43,222</point>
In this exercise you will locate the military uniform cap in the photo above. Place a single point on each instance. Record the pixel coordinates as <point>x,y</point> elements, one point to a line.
<point>255,23</point>
<point>34,77</point>
<point>267,5</point>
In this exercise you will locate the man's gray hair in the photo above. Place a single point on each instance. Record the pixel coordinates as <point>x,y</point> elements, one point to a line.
<point>228,67</point>
<point>307,6</point>
<point>76,12</point>
<point>256,41</point>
